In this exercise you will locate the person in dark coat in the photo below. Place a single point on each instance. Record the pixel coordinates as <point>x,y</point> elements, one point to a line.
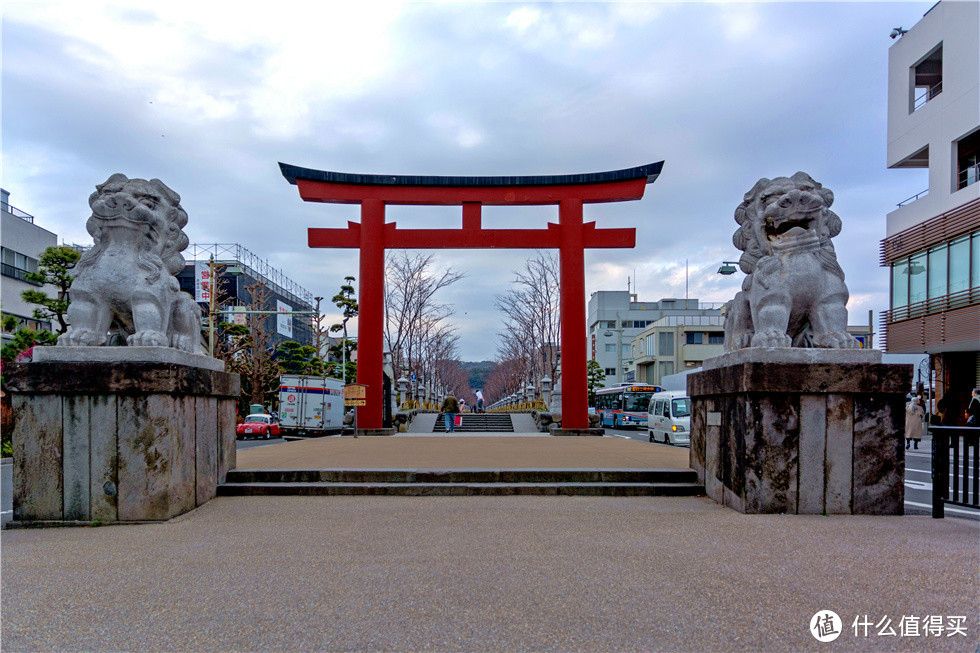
<point>449,408</point>
<point>973,409</point>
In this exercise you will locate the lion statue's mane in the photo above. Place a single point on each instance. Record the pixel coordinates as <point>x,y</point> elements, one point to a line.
<point>125,291</point>
<point>794,292</point>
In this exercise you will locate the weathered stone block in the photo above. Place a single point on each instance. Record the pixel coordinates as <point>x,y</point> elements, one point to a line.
<point>118,441</point>
<point>77,429</point>
<point>800,437</point>
<point>38,445</point>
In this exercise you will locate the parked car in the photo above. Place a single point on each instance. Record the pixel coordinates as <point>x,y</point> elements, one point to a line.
<point>258,425</point>
<point>669,417</point>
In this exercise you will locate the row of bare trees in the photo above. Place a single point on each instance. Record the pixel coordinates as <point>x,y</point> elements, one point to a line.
<point>530,343</point>
<point>418,333</point>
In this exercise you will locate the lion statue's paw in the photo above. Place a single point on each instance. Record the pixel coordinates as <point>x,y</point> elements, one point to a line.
<point>82,338</point>
<point>148,339</point>
<point>771,338</point>
<point>836,340</point>
<point>184,343</point>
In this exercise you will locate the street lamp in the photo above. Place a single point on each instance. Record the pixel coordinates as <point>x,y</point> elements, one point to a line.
<point>728,267</point>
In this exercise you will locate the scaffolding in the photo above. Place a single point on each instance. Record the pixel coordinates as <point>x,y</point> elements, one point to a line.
<point>233,254</point>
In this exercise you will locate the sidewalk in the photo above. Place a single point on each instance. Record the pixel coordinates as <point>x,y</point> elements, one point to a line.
<point>482,573</point>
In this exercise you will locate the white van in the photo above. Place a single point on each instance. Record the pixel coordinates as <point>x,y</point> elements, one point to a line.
<point>669,417</point>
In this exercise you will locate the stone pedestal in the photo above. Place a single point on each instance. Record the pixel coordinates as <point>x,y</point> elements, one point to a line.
<point>801,431</point>
<point>102,441</point>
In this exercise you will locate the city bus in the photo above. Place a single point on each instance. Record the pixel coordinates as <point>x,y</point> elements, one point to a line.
<point>625,405</point>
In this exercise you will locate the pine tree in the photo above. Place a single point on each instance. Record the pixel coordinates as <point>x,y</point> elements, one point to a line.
<point>54,267</point>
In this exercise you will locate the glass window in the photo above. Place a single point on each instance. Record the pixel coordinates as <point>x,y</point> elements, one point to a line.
<point>900,283</point>
<point>666,367</point>
<point>637,401</point>
<point>667,344</point>
<point>611,347</point>
<point>716,338</point>
<point>959,264</point>
<point>651,348</point>
<point>917,278</point>
<point>610,371</point>
<point>680,407</point>
<point>627,349</point>
<point>937,271</point>
<point>695,338</point>
<point>975,261</point>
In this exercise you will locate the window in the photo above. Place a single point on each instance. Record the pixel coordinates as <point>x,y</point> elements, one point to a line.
<point>900,283</point>
<point>967,160</point>
<point>17,265</point>
<point>716,338</point>
<point>917,278</point>
<point>663,406</point>
<point>959,265</point>
<point>610,347</point>
<point>695,338</point>
<point>627,324</point>
<point>666,368</point>
<point>927,79</point>
<point>975,261</point>
<point>680,407</point>
<point>610,371</point>
<point>666,344</point>
<point>627,350</point>
<point>607,324</point>
<point>937,271</point>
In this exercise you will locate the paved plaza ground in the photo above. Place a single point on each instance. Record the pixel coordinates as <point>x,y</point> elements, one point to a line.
<point>482,574</point>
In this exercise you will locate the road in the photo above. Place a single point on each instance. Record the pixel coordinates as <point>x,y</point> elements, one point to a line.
<point>918,477</point>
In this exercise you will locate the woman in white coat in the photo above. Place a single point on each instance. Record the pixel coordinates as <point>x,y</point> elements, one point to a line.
<point>914,414</point>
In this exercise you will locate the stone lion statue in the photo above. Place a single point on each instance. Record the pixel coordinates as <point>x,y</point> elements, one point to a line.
<point>124,291</point>
<point>794,294</point>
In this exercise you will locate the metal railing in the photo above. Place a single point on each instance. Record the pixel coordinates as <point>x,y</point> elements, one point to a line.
<point>968,175</point>
<point>948,302</point>
<point>955,474</point>
<point>927,95</point>
<point>16,273</point>
<point>13,210</point>
<point>255,266</point>
<point>913,198</point>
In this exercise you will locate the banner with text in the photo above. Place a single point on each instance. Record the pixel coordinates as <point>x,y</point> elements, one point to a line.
<point>284,322</point>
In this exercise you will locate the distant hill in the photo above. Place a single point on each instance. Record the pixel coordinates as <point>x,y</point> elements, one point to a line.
<point>478,372</point>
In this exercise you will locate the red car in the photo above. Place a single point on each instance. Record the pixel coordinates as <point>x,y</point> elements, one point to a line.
<point>258,425</point>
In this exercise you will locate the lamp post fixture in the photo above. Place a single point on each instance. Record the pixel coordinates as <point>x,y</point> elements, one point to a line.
<point>545,382</point>
<point>402,383</point>
<point>728,267</point>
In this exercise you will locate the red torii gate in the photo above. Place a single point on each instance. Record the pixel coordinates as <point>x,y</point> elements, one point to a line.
<point>570,236</point>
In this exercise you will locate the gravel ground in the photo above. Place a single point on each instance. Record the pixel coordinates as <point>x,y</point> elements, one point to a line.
<point>483,574</point>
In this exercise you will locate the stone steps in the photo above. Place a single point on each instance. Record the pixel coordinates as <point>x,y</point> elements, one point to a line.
<point>478,423</point>
<point>462,482</point>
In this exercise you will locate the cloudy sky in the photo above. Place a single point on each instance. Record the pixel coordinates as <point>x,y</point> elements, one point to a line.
<point>208,97</point>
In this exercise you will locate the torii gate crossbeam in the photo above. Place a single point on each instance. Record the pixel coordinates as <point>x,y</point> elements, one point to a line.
<point>571,236</point>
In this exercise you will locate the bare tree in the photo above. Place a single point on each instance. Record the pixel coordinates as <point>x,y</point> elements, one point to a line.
<point>531,339</point>
<point>415,330</point>
<point>250,351</point>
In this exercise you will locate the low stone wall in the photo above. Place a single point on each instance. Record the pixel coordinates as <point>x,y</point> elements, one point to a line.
<point>118,441</point>
<point>802,437</point>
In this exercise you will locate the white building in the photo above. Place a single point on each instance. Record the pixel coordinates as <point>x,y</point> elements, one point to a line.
<point>677,343</point>
<point>21,244</point>
<point>616,318</point>
<point>932,242</point>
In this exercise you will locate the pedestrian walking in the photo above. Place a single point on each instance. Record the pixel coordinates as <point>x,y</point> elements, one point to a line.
<point>973,410</point>
<point>449,408</point>
<point>914,414</point>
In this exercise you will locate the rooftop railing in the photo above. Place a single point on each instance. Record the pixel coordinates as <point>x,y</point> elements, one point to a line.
<point>13,210</point>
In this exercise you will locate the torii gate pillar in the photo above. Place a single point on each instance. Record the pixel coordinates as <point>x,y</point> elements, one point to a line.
<point>570,236</point>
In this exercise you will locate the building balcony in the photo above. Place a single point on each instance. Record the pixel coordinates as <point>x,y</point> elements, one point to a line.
<point>14,211</point>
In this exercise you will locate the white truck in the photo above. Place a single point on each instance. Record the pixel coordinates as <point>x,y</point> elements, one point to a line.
<point>310,406</point>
